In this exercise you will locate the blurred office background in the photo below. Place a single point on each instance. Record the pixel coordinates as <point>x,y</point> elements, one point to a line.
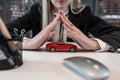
<point>108,10</point>
<point>11,9</point>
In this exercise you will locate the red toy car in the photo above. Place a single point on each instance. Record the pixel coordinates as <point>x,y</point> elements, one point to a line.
<point>60,46</point>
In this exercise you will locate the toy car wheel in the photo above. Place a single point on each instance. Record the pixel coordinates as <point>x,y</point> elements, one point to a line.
<point>72,50</point>
<point>52,49</point>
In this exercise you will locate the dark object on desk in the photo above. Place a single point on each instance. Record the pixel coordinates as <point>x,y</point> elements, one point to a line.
<point>61,46</point>
<point>10,54</point>
<point>88,68</point>
<point>8,58</point>
<point>1,36</point>
<point>118,51</point>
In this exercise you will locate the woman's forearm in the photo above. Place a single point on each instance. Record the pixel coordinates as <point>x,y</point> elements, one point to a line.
<point>36,42</point>
<point>88,43</point>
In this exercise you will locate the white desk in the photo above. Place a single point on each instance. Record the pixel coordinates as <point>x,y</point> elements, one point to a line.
<point>48,66</point>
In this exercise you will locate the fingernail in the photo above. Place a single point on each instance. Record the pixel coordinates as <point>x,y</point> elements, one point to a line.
<point>59,10</point>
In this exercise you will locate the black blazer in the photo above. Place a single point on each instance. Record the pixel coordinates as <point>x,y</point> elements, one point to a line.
<point>85,21</point>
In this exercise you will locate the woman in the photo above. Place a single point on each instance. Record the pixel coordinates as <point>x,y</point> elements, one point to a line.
<point>70,20</point>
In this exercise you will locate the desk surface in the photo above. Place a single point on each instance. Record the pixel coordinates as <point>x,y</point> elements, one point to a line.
<point>48,66</point>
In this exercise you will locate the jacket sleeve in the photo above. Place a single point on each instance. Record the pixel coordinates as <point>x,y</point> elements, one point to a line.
<point>28,21</point>
<point>20,23</point>
<point>105,31</point>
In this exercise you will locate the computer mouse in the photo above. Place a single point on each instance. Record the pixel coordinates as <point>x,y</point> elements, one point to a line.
<point>118,50</point>
<point>88,68</point>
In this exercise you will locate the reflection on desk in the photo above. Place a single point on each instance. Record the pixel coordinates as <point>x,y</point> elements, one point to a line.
<point>41,65</point>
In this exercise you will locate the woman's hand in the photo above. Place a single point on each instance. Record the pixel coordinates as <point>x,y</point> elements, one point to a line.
<point>41,37</point>
<point>74,33</point>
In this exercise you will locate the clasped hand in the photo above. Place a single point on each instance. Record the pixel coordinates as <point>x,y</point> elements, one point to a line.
<point>72,32</point>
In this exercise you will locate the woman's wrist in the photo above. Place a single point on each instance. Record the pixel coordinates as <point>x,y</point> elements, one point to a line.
<point>88,43</point>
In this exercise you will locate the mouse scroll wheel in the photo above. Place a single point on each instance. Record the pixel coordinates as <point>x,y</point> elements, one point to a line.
<point>96,67</point>
<point>88,61</point>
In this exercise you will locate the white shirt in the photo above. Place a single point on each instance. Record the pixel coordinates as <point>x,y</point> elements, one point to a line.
<point>60,31</point>
<point>103,45</point>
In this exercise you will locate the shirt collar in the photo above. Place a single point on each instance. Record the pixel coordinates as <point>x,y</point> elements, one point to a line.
<point>66,13</point>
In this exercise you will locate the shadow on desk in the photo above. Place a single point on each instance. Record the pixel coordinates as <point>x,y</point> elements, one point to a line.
<point>43,50</point>
<point>79,50</point>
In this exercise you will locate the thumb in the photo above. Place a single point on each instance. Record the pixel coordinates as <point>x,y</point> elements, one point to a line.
<point>51,34</point>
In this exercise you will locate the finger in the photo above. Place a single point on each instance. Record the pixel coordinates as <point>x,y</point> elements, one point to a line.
<point>73,38</point>
<point>67,22</point>
<point>70,36</point>
<point>65,19</point>
<point>70,26</point>
<point>72,33</point>
<point>67,29</point>
<point>55,21</point>
<point>57,18</point>
<point>51,35</point>
<point>53,24</point>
